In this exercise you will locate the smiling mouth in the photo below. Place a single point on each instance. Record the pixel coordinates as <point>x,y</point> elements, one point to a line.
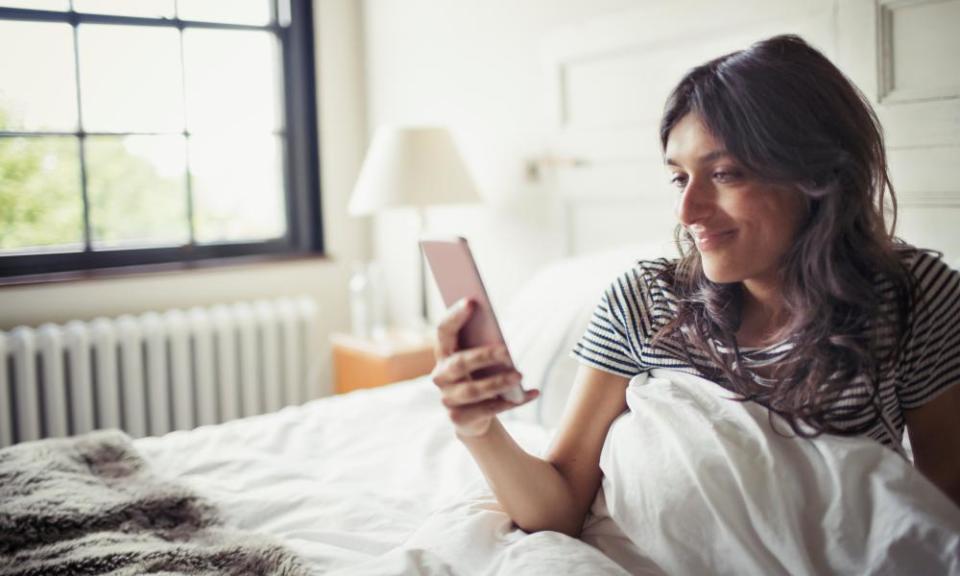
<point>707,242</point>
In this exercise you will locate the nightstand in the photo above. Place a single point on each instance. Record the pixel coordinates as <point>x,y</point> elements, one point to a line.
<point>369,362</point>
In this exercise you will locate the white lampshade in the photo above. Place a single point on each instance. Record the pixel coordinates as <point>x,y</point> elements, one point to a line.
<point>411,166</point>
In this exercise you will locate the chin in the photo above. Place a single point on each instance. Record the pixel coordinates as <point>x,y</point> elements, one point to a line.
<point>717,273</point>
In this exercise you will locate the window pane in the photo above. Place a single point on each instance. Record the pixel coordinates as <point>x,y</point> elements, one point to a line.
<point>233,80</point>
<point>58,5</point>
<point>137,190</point>
<point>41,204</point>
<point>37,81</point>
<point>256,12</point>
<point>130,79</point>
<point>144,8</point>
<point>237,188</point>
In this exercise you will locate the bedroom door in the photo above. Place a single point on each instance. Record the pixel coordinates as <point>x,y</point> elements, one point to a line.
<point>608,79</point>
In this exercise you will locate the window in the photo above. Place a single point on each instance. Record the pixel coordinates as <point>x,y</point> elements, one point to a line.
<point>155,131</point>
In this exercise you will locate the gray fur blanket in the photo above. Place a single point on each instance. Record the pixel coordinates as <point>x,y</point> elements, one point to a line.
<point>90,505</point>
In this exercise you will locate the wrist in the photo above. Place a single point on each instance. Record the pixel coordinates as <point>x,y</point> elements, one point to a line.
<point>474,433</point>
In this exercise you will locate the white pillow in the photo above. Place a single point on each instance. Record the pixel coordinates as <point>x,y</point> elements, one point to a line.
<point>550,313</point>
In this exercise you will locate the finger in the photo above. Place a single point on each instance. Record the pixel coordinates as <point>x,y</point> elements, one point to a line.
<point>478,390</point>
<point>462,415</point>
<point>449,327</point>
<point>459,365</point>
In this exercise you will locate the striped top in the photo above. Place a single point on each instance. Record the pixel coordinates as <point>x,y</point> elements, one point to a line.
<point>641,301</point>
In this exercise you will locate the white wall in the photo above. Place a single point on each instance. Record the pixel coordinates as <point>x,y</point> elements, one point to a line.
<point>474,65</point>
<point>339,39</point>
<point>485,67</point>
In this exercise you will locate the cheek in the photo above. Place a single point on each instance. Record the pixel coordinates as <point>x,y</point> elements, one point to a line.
<point>793,211</point>
<point>782,220</point>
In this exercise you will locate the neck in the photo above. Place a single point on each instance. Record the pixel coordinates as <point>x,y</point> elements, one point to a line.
<point>765,295</point>
<point>763,313</point>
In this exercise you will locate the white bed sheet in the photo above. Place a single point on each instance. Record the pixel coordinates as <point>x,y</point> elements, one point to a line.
<point>371,482</point>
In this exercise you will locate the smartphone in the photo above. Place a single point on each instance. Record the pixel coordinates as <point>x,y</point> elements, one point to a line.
<point>457,276</point>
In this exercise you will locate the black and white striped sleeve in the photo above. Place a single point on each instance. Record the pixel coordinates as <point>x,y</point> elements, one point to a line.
<point>612,338</point>
<point>932,353</point>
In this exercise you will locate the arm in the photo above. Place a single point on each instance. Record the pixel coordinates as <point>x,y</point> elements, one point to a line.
<point>538,494</point>
<point>555,493</point>
<point>934,430</point>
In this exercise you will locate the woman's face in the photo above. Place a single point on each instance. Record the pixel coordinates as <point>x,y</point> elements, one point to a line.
<point>742,226</point>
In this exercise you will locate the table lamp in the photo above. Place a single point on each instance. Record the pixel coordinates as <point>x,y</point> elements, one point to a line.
<point>412,167</point>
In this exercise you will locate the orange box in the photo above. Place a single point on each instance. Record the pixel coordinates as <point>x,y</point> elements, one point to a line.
<point>371,362</point>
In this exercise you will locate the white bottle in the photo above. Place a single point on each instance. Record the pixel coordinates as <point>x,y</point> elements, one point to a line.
<point>360,298</point>
<point>377,301</point>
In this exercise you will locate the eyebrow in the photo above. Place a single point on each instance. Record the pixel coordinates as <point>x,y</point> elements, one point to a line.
<point>708,157</point>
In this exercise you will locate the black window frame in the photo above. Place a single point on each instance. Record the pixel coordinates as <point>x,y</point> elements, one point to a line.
<point>301,164</point>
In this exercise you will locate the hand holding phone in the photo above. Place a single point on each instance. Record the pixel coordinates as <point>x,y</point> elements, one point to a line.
<point>458,277</point>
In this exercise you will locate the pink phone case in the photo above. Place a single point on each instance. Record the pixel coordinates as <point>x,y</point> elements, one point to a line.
<point>457,276</point>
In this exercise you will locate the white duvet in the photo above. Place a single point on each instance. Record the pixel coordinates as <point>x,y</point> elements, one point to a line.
<point>375,483</point>
<point>702,484</point>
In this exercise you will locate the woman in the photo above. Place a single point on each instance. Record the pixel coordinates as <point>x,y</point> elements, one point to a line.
<point>790,291</point>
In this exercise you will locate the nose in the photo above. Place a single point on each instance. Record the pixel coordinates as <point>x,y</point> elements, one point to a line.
<point>696,203</point>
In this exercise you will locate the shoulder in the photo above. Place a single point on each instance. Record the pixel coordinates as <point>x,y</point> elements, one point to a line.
<point>916,260</point>
<point>643,294</point>
<point>929,361</point>
<point>646,279</point>
<point>654,274</point>
<point>934,280</point>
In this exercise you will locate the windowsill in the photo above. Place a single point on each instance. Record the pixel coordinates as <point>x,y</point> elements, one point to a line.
<point>152,269</point>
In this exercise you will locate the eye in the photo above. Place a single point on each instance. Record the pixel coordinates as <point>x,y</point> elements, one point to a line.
<point>678,181</point>
<point>725,176</point>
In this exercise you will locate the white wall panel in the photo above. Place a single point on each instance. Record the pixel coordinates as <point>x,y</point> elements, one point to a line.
<point>919,45</point>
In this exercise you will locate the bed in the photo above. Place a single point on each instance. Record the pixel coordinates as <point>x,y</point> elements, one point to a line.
<point>374,482</point>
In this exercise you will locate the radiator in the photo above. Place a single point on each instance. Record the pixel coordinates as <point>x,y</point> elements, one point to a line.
<point>158,371</point>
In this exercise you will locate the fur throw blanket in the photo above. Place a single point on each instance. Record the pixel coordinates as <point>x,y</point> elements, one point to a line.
<point>90,505</point>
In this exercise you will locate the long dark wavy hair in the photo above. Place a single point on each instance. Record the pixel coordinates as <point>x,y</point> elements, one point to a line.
<point>786,113</point>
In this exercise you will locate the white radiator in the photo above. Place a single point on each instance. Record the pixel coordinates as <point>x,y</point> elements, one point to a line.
<point>159,371</point>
